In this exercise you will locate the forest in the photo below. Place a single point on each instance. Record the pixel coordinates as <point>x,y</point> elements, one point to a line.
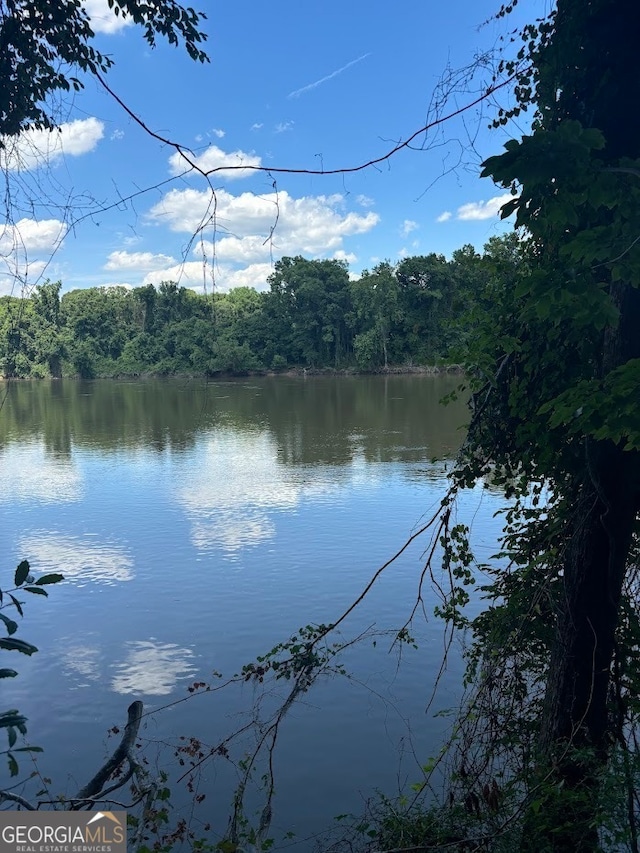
<point>313,316</point>
<point>544,755</point>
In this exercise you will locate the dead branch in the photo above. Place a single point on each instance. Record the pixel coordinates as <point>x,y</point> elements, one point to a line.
<point>122,752</point>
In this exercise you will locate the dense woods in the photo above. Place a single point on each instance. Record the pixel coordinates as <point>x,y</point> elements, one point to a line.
<point>545,755</point>
<point>312,316</point>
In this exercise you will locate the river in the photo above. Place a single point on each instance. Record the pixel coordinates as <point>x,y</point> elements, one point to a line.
<point>199,523</point>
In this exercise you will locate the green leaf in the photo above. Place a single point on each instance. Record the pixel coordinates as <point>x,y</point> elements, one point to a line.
<point>17,604</point>
<point>12,626</point>
<point>13,765</point>
<point>46,579</point>
<point>12,734</point>
<point>36,590</point>
<point>17,646</point>
<point>8,673</point>
<point>22,573</point>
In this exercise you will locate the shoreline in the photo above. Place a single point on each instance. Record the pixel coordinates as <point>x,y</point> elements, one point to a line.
<point>292,372</point>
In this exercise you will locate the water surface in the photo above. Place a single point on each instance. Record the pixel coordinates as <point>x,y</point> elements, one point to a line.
<point>198,524</point>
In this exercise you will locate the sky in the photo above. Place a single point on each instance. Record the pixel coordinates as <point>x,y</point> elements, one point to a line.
<point>314,86</point>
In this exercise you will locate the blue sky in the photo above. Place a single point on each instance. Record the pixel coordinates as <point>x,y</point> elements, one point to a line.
<point>289,85</point>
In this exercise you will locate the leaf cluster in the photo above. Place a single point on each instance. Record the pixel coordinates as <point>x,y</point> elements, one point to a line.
<point>46,45</point>
<point>13,721</point>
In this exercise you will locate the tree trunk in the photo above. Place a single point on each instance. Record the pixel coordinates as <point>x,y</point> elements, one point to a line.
<point>576,731</point>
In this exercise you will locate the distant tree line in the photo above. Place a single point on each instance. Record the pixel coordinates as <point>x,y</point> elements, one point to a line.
<point>417,312</point>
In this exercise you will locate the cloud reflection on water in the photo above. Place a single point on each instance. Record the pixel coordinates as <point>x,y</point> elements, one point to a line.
<point>30,473</point>
<point>234,482</point>
<point>152,668</point>
<point>76,557</point>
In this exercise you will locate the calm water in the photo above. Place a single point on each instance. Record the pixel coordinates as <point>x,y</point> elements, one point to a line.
<point>199,524</point>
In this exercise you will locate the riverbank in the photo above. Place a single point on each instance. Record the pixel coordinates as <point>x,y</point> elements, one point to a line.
<point>292,372</point>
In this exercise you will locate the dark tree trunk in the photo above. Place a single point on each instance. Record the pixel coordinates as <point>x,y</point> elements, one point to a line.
<point>591,73</point>
<point>576,731</point>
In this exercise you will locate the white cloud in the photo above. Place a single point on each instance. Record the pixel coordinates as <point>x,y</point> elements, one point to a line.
<point>114,285</point>
<point>81,558</point>
<point>255,275</point>
<point>341,255</point>
<point>216,158</point>
<point>22,247</point>
<point>444,217</point>
<point>256,125</point>
<point>365,201</point>
<point>117,135</point>
<point>32,235</point>
<point>283,126</point>
<point>103,19</point>
<point>152,668</point>
<point>313,226</point>
<point>402,253</point>
<point>217,132</point>
<point>143,261</point>
<point>196,274</point>
<point>310,224</point>
<point>408,226</point>
<point>479,210</point>
<point>34,149</point>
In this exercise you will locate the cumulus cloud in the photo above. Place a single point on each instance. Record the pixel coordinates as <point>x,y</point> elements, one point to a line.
<point>408,226</point>
<point>309,224</point>
<point>143,261</point>
<point>193,274</point>
<point>34,149</point>
<point>218,132</point>
<point>19,281</point>
<point>32,235</point>
<point>445,216</point>
<point>255,275</point>
<point>364,200</point>
<point>479,210</point>
<point>341,255</point>
<point>313,226</point>
<point>223,277</point>
<point>215,158</point>
<point>26,248</point>
<point>103,19</point>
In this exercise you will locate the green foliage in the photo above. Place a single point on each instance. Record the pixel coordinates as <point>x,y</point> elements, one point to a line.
<point>13,721</point>
<point>47,47</point>
<point>313,316</point>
